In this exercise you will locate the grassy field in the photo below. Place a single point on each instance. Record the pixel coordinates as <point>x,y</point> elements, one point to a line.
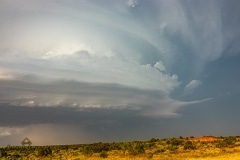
<point>188,148</point>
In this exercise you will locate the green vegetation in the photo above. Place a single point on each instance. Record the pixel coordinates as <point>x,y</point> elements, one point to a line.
<point>175,148</point>
<point>103,154</point>
<point>189,145</point>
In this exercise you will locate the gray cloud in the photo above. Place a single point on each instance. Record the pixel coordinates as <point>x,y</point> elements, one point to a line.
<point>88,95</point>
<point>192,85</point>
<point>130,64</point>
<point>133,3</point>
<point>202,28</point>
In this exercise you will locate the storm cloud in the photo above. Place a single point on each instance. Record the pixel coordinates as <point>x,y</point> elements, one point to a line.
<point>113,70</point>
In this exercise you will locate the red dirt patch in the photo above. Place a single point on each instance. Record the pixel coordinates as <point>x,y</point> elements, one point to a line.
<point>205,139</point>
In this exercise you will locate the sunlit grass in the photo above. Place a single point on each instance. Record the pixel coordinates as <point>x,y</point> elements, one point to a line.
<point>165,149</point>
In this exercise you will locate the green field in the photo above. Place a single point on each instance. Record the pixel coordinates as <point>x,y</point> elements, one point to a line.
<point>181,148</point>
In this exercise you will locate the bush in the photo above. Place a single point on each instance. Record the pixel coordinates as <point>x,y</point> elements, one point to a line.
<point>168,142</point>
<point>45,151</point>
<point>150,155</point>
<point>159,151</point>
<point>226,142</point>
<point>153,140</point>
<point>103,154</point>
<point>176,142</point>
<point>87,151</point>
<point>189,146</point>
<point>99,147</point>
<point>150,145</point>
<point>136,148</point>
<point>230,140</point>
<point>3,153</point>
<point>172,148</point>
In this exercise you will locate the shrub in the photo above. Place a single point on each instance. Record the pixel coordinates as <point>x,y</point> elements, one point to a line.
<point>3,153</point>
<point>168,142</point>
<point>230,140</point>
<point>176,142</point>
<point>87,151</point>
<point>189,146</point>
<point>150,145</point>
<point>159,151</point>
<point>153,140</point>
<point>45,151</point>
<point>150,155</point>
<point>136,148</point>
<point>99,147</point>
<point>103,154</point>
<point>172,148</point>
<point>226,142</point>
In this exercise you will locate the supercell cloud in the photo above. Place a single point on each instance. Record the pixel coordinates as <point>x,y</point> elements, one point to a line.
<point>107,69</point>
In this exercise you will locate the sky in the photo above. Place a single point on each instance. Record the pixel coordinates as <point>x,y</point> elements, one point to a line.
<point>84,71</point>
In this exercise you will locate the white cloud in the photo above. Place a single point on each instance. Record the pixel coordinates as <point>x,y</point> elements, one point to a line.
<point>159,65</point>
<point>66,50</point>
<point>133,3</point>
<point>85,66</point>
<point>96,81</point>
<point>92,43</point>
<point>198,25</point>
<point>192,85</point>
